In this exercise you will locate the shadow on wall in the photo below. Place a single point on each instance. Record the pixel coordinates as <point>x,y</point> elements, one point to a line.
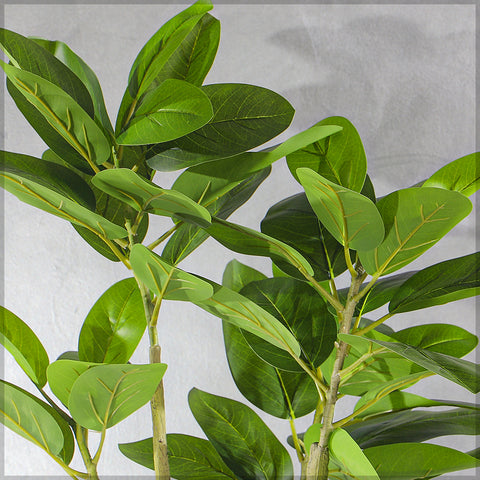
<point>409,93</point>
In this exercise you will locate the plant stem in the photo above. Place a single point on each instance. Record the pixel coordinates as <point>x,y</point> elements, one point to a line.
<point>81,436</point>
<point>378,322</point>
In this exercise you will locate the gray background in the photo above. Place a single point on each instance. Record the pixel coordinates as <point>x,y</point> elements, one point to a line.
<point>403,74</point>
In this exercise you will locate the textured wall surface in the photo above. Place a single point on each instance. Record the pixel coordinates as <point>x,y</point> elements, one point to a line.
<point>404,75</point>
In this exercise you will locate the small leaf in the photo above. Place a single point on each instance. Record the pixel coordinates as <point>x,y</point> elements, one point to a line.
<point>105,395</point>
<point>461,175</point>
<point>241,438</point>
<point>438,284</point>
<point>144,196</point>
<point>415,219</point>
<point>349,216</point>
<point>114,326</point>
<point>174,109</point>
<point>340,158</point>
<point>165,280</point>
<point>18,338</point>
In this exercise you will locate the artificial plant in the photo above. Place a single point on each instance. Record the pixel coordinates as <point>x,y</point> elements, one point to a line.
<point>295,342</point>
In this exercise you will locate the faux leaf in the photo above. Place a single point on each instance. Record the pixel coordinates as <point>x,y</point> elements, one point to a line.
<point>105,395</point>
<point>236,275</point>
<point>114,326</point>
<point>439,284</point>
<point>18,338</point>
<point>244,442</point>
<point>174,109</point>
<point>340,158</point>
<point>350,217</point>
<point>415,219</point>
<point>144,196</point>
<point>165,280</point>
<point>461,175</point>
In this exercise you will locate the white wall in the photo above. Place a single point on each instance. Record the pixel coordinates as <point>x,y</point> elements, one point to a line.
<point>404,75</point>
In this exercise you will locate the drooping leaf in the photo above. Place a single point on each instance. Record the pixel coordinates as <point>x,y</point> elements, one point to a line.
<point>244,442</point>
<point>52,194</point>
<point>293,222</point>
<point>165,280</point>
<point>174,109</point>
<point>411,461</point>
<point>105,395</point>
<point>36,421</point>
<point>144,196</point>
<point>20,340</point>
<point>461,175</point>
<point>114,326</point>
<point>250,242</point>
<point>63,113</point>
<point>340,158</point>
<point>350,217</point>
<point>415,219</point>
<point>439,284</point>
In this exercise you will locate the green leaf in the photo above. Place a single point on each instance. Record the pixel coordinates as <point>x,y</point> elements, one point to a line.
<point>105,395</point>
<point>340,158</point>
<point>63,113</point>
<point>299,308</point>
<point>293,222</point>
<point>350,217</point>
<point>245,240</point>
<point>411,461</point>
<point>245,116</point>
<point>461,175</point>
<point>165,280</point>
<point>236,275</point>
<point>63,373</point>
<point>438,284</point>
<point>47,193</point>
<point>414,426</point>
<point>144,196</point>
<point>36,421</point>
<point>415,219</point>
<point>174,109</point>
<point>241,438</point>
<point>114,326</point>
<point>62,52</point>
<point>19,339</point>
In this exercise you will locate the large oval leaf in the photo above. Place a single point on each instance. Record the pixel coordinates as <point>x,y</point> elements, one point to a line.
<point>114,326</point>
<point>339,158</point>
<point>105,395</point>
<point>241,438</point>
<point>415,219</point>
<point>438,284</point>
<point>20,340</point>
<point>349,216</point>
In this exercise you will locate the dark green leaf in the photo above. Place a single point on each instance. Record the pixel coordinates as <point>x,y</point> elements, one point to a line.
<point>350,217</point>
<point>19,339</point>
<point>461,175</point>
<point>241,438</point>
<point>105,395</point>
<point>415,219</point>
<point>236,275</point>
<point>438,284</point>
<point>340,158</point>
<point>114,326</point>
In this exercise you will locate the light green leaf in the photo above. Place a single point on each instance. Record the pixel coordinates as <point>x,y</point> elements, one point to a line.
<point>174,109</point>
<point>19,339</point>
<point>244,442</point>
<point>461,175</point>
<point>105,395</point>
<point>340,158</point>
<point>415,219</point>
<point>439,284</point>
<point>144,196</point>
<point>236,275</point>
<point>114,326</point>
<point>349,216</point>
<point>165,280</point>
<point>411,461</point>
